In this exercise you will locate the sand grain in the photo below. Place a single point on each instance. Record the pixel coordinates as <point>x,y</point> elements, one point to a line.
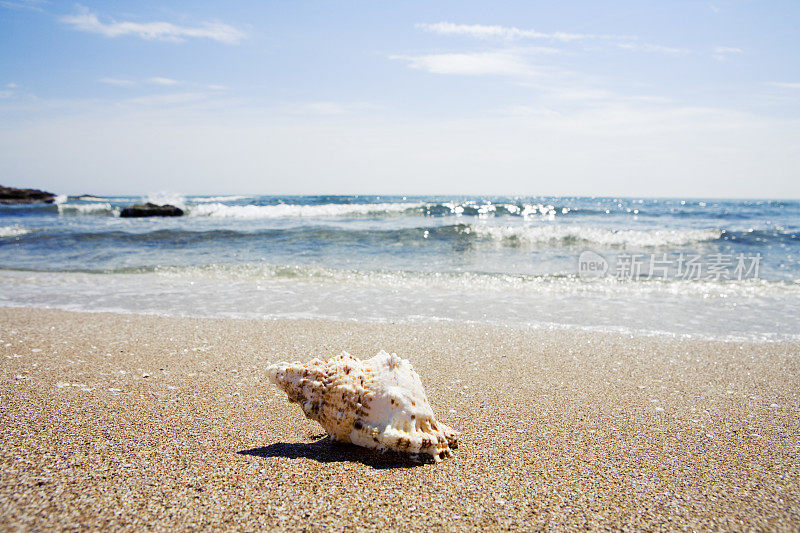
<point>135,422</point>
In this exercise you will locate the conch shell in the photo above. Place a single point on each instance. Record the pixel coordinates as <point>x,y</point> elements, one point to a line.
<point>377,403</point>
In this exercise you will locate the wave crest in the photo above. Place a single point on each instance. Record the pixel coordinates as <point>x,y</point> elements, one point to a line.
<point>13,231</point>
<point>573,234</point>
<point>557,283</point>
<point>209,199</point>
<point>102,208</point>
<point>219,210</point>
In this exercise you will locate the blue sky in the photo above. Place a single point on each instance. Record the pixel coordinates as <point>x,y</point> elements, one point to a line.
<point>637,98</point>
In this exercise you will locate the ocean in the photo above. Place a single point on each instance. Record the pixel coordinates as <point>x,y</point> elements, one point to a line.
<point>704,268</point>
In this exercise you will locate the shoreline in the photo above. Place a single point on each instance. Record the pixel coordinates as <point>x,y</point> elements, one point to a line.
<point>551,327</point>
<point>162,422</point>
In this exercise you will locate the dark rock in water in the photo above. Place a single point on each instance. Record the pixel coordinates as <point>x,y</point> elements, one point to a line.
<point>151,210</point>
<point>11,195</point>
<point>86,197</point>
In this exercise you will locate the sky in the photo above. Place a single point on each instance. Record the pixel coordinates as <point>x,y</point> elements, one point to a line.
<point>616,98</point>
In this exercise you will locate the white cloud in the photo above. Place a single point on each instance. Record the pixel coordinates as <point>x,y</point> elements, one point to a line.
<point>564,93</point>
<point>721,53</point>
<point>785,84</point>
<point>331,108</point>
<point>528,111</point>
<point>123,82</point>
<point>162,81</point>
<point>654,48</point>
<point>11,85</point>
<point>218,87</point>
<point>582,94</point>
<point>116,81</point>
<point>167,99</point>
<point>727,50</point>
<point>33,5</point>
<point>322,108</point>
<point>158,31</point>
<point>539,50</point>
<point>471,64</point>
<point>6,94</point>
<point>481,31</point>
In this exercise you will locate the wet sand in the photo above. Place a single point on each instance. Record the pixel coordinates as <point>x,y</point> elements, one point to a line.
<point>128,421</point>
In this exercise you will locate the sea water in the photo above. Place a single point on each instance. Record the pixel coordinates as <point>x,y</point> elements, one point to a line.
<point>725,269</point>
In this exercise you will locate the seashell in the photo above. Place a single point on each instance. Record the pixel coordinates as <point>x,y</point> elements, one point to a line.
<point>376,403</point>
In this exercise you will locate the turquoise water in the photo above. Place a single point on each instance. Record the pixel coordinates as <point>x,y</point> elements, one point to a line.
<point>698,267</point>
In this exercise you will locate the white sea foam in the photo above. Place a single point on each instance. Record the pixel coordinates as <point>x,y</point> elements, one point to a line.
<point>548,234</point>
<point>751,310</point>
<point>208,199</point>
<point>489,209</point>
<point>100,208</point>
<point>219,210</point>
<point>92,198</point>
<point>561,286</point>
<point>166,197</point>
<point>13,231</point>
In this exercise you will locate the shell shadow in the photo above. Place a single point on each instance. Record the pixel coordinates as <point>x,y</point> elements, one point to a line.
<point>326,451</point>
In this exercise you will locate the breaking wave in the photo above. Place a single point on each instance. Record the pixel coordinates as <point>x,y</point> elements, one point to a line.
<point>573,234</point>
<point>220,207</point>
<point>95,208</point>
<point>13,231</point>
<point>556,284</point>
<point>220,210</point>
<point>209,199</point>
<point>458,235</point>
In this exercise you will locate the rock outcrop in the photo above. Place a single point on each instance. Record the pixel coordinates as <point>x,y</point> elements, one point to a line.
<point>12,195</point>
<point>151,210</point>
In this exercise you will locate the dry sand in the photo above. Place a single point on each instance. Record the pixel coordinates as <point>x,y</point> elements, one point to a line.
<point>124,421</point>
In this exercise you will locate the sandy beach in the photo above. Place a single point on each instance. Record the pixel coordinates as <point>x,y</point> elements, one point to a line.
<point>143,422</point>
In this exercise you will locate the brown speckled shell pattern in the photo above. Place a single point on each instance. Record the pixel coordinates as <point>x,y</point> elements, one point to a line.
<point>339,392</point>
